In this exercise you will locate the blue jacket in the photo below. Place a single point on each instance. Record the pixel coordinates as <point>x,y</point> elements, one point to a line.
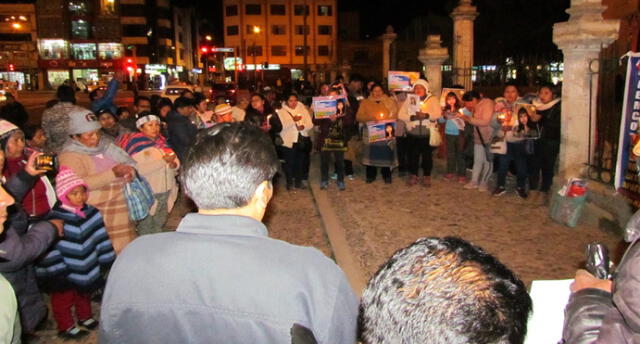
<point>106,102</point>
<point>450,127</point>
<point>221,279</point>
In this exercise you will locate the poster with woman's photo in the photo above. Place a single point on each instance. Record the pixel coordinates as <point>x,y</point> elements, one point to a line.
<point>381,131</point>
<point>402,81</point>
<point>524,125</point>
<point>325,107</point>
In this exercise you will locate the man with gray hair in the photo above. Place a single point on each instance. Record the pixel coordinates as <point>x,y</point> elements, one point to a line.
<point>219,278</point>
<point>444,291</point>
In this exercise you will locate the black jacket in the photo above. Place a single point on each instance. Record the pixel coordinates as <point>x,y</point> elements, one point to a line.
<point>182,133</point>
<point>258,119</point>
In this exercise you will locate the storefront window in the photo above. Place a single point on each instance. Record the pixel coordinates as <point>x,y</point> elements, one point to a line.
<point>110,51</point>
<point>108,6</point>
<point>57,77</point>
<point>78,8</point>
<point>85,75</point>
<point>80,29</point>
<point>83,51</point>
<point>51,49</point>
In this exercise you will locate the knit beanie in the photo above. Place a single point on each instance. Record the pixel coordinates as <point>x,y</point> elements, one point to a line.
<point>145,117</point>
<point>82,121</point>
<point>421,82</point>
<point>6,130</point>
<point>222,109</point>
<point>66,180</point>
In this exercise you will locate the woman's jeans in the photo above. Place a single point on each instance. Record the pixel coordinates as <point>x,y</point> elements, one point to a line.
<point>515,152</point>
<point>455,155</point>
<point>325,157</point>
<point>543,161</point>
<point>482,168</point>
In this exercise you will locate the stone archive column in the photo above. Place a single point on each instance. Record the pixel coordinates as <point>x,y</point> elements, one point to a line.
<point>387,39</point>
<point>432,57</point>
<point>463,17</point>
<point>580,39</point>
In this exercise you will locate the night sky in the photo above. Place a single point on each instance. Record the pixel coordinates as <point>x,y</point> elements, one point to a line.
<point>504,27</point>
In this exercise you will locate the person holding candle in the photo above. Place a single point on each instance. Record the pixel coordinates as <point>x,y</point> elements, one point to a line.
<point>482,110</point>
<point>296,128</point>
<point>419,119</point>
<point>382,154</point>
<point>262,115</point>
<point>505,122</point>
<point>454,131</point>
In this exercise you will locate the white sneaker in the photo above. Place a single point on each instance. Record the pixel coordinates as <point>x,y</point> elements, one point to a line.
<point>483,188</point>
<point>470,186</point>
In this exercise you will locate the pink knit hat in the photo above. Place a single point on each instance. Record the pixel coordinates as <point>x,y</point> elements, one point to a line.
<point>66,180</point>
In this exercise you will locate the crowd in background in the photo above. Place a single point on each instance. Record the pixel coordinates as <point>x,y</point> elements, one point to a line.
<point>64,231</point>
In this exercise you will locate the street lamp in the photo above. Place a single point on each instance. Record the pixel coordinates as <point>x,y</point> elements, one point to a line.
<point>256,31</point>
<point>208,38</point>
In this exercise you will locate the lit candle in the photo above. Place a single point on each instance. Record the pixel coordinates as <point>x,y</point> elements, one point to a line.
<point>381,115</point>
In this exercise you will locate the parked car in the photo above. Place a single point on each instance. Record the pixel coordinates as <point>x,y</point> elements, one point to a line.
<point>227,90</point>
<point>174,91</point>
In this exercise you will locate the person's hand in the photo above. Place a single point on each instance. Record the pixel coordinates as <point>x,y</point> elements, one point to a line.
<point>124,171</point>
<point>585,280</point>
<point>169,158</point>
<point>173,165</point>
<point>31,167</point>
<point>118,75</point>
<point>266,127</point>
<point>300,127</point>
<point>466,119</point>
<point>59,224</point>
<point>333,118</point>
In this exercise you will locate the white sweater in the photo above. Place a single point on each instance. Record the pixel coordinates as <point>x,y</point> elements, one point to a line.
<point>289,131</point>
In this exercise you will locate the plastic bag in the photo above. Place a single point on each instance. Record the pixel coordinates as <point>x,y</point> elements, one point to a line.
<point>139,198</point>
<point>567,210</point>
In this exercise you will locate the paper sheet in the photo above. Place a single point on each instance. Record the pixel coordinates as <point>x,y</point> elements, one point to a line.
<point>549,300</point>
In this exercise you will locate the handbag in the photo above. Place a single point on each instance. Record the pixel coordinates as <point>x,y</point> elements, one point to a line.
<point>435,139</point>
<point>487,150</point>
<point>139,197</point>
<point>499,146</point>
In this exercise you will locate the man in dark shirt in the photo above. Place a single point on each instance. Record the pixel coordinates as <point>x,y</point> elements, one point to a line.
<point>182,131</point>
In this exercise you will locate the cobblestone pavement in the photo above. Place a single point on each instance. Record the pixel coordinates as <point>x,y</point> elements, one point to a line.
<point>380,219</point>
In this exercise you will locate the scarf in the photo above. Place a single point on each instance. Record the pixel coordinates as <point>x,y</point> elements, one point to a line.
<point>540,106</point>
<point>137,142</point>
<point>105,147</point>
<point>72,208</point>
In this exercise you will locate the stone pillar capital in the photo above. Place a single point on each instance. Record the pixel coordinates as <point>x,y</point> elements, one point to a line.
<point>586,31</point>
<point>433,53</point>
<point>465,11</point>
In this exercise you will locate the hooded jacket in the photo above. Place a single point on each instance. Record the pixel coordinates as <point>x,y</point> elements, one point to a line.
<point>599,317</point>
<point>429,105</point>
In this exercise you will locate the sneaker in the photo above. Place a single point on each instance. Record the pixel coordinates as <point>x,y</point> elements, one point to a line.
<point>351,177</point>
<point>449,177</point>
<point>89,324</point>
<point>341,186</point>
<point>426,181</point>
<point>470,186</point>
<point>73,332</point>
<point>412,180</point>
<point>499,191</point>
<point>482,187</point>
<point>334,176</point>
<point>324,185</point>
<point>462,180</point>
<point>522,193</point>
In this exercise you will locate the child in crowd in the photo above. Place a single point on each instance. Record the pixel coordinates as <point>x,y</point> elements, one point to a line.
<point>332,141</point>
<point>123,113</point>
<point>454,130</point>
<point>72,269</point>
<point>35,137</point>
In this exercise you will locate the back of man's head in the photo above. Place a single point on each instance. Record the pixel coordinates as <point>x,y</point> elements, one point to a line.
<point>470,96</point>
<point>66,93</point>
<point>225,166</point>
<point>182,102</point>
<point>444,291</point>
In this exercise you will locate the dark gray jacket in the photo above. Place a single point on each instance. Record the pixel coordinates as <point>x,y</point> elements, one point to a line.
<point>19,248</point>
<point>596,316</point>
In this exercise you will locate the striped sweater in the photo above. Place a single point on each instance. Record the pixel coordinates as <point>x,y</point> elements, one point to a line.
<point>75,261</point>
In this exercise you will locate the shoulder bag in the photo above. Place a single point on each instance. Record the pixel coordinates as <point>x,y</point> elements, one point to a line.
<point>487,149</point>
<point>139,197</point>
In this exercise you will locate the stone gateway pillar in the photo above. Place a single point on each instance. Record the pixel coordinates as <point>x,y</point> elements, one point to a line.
<point>463,17</point>
<point>580,39</point>
<point>387,39</point>
<point>432,57</point>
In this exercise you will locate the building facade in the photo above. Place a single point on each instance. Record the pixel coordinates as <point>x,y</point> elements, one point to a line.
<point>18,53</point>
<point>294,34</point>
<point>186,34</point>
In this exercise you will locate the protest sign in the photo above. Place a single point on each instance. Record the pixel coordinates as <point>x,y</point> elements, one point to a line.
<point>401,81</point>
<point>381,131</point>
<point>325,107</point>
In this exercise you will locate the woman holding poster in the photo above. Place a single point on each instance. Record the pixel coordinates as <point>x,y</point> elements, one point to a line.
<point>376,111</point>
<point>419,119</point>
<point>296,144</point>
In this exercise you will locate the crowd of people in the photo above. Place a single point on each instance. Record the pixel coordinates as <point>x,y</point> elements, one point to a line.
<point>219,276</point>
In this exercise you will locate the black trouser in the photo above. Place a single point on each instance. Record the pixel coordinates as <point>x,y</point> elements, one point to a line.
<point>419,148</point>
<point>306,160</point>
<point>348,167</point>
<point>293,163</point>
<point>543,161</point>
<point>325,157</point>
<point>372,172</point>
<point>403,153</point>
